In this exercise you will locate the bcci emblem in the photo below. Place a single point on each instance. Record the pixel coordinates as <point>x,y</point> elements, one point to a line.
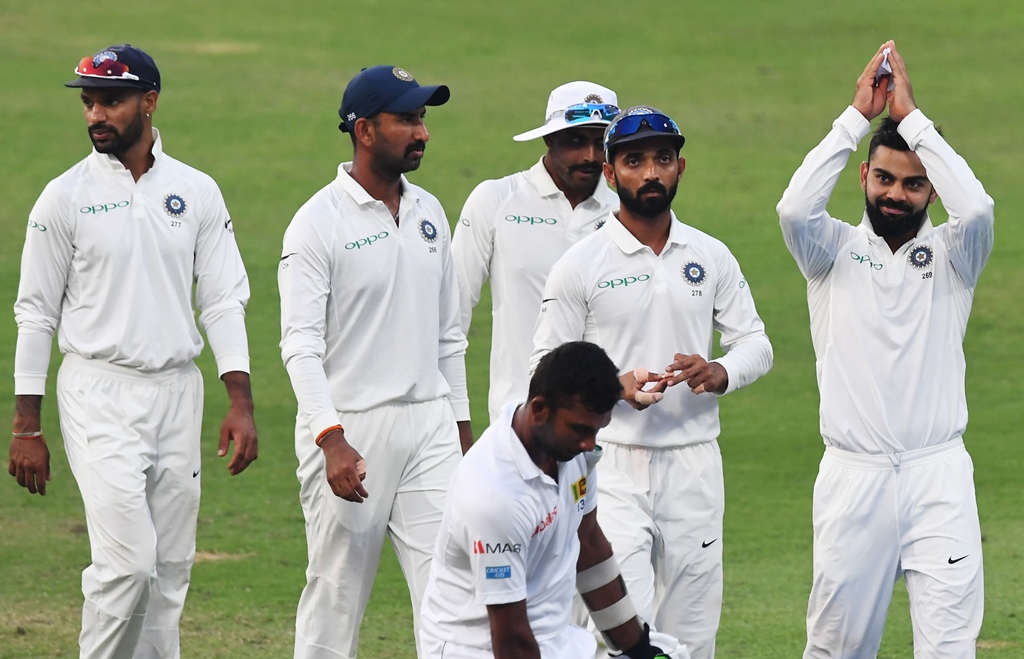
<point>174,205</point>
<point>693,273</point>
<point>593,98</point>
<point>921,257</point>
<point>401,74</point>
<point>428,231</point>
<point>103,56</point>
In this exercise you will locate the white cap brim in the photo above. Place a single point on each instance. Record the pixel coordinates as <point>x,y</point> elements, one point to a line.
<point>555,126</point>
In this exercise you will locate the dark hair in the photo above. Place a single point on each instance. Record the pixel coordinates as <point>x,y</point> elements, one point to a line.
<point>577,370</point>
<point>887,135</point>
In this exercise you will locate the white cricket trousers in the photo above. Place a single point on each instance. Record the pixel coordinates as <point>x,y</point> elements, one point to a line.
<point>877,517</point>
<point>662,511</point>
<point>411,451</point>
<point>132,440</point>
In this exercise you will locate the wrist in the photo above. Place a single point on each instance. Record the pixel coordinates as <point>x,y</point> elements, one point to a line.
<point>330,437</point>
<point>36,434</point>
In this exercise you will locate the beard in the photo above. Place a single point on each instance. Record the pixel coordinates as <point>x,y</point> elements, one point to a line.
<point>886,226</point>
<point>395,166</point>
<point>650,207</point>
<point>118,142</point>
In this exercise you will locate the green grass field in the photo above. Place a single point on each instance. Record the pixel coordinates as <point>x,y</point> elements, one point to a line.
<point>250,97</point>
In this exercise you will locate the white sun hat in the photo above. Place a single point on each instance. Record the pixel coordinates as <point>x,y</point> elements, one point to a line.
<point>592,105</point>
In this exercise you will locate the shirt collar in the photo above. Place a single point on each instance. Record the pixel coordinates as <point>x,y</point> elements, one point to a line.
<point>361,196</point>
<point>540,178</point>
<point>628,243</point>
<point>526,466</point>
<point>110,161</point>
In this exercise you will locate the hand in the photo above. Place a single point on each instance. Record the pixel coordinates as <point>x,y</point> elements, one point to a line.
<point>901,98</point>
<point>345,468</point>
<point>698,374</point>
<point>465,435</point>
<point>633,392</point>
<point>870,98</point>
<point>238,427</point>
<point>30,463</point>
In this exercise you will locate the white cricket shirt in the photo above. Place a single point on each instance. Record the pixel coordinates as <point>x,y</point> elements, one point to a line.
<point>643,308</point>
<point>109,263</point>
<point>888,328</point>
<point>509,533</point>
<point>369,310</point>
<point>513,230</point>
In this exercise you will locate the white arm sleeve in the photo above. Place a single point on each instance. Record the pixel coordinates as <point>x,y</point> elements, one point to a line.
<point>812,236</point>
<point>748,352</point>
<point>45,262</point>
<point>473,245</point>
<point>563,314</point>
<point>451,355</point>
<point>222,286</point>
<point>304,283</point>
<point>970,229</point>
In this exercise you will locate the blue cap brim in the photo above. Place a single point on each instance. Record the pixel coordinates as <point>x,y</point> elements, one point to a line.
<point>419,97</point>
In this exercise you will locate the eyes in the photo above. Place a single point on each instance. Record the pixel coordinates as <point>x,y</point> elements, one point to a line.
<point>913,184</point>
<point>637,160</point>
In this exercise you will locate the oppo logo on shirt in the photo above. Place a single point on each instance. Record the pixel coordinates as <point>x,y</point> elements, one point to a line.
<point>367,241</point>
<point>103,208</point>
<point>35,225</point>
<point>526,219</point>
<point>624,281</point>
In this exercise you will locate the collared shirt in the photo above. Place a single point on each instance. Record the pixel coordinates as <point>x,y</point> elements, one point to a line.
<point>109,263</point>
<point>888,328</point>
<point>509,533</point>
<point>369,310</point>
<point>513,230</point>
<point>643,308</point>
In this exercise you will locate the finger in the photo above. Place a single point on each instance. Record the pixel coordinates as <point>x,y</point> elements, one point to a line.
<point>361,469</point>
<point>699,389</point>
<point>647,398</point>
<point>641,375</point>
<point>11,469</point>
<point>225,437</point>
<point>40,482</point>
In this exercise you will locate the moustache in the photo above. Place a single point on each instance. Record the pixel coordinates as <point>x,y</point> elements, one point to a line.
<point>586,169</point>
<point>415,146</point>
<point>101,127</point>
<point>653,186</point>
<point>896,206</point>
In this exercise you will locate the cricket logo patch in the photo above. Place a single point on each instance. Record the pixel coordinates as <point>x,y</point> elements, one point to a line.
<point>921,257</point>
<point>579,489</point>
<point>693,273</point>
<point>428,231</point>
<point>593,98</point>
<point>175,206</point>
<point>401,74</point>
<point>103,56</point>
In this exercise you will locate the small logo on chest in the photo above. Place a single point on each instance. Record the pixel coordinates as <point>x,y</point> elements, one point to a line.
<point>175,206</point>
<point>921,257</point>
<point>694,273</point>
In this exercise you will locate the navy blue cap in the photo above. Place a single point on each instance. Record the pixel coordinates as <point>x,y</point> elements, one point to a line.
<point>118,66</point>
<point>385,88</point>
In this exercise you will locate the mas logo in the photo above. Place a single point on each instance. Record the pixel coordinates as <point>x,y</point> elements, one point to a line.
<point>481,547</point>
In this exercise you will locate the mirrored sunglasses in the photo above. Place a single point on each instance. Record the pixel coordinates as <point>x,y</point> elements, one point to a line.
<point>631,123</point>
<point>581,112</point>
<point>106,68</point>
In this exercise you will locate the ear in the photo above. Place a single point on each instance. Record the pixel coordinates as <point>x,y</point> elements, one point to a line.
<point>149,100</point>
<point>933,196</point>
<point>539,410</point>
<point>864,176</point>
<point>609,174</point>
<point>548,141</point>
<point>682,168</point>
<point>364,131</point>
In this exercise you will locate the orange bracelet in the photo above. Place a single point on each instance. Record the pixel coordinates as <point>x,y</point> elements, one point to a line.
<point>326,431</point>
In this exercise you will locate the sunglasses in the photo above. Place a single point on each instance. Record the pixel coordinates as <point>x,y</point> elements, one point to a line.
<point>631,123</point>
<point>104,68</point>
<point>581,112</point>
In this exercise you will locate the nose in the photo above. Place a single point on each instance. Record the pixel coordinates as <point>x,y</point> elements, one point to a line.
<point>593,152</point>
<point>896,192</point>
<point>588,443</point>
<point>421,133</point>
<point>95,114</point>
<point>650,171</point>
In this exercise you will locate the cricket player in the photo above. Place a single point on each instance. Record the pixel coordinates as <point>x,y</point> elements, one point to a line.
<point>889,300</point>
<point>371,339</point>
<point>112,250</point>
<point>520,531</point>
<point>514,229</point>
<point>652,291</point>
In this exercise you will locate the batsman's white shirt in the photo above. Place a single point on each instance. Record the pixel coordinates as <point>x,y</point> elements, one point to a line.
<point>110,261</point>
<point>509,533</point>
<point>369,310</point>
<point>513,230</point>
<point>887,327</point>
<point>643,308</point>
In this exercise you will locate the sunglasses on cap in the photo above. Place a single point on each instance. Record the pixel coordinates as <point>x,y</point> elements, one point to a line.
<point>104,68</point>
<point>581,112</point>
<point>631,124</point>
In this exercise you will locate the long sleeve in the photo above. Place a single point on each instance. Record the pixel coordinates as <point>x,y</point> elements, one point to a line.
<point>451,357</point>
<point>811,235</point>
<point>304,283</point>
<point>222,286</point>
<point>473,246</point>
<point>563,312</point>
<point>748,352</point>
<point>970,228</point>
<point>45,261</point>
